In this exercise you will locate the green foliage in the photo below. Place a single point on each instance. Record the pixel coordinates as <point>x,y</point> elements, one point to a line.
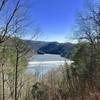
<point>8,54</point>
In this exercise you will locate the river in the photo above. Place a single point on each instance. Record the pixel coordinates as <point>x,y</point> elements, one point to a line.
<point>41,64</point>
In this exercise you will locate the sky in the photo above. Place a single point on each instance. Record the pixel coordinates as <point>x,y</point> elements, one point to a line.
<point>56,18</point>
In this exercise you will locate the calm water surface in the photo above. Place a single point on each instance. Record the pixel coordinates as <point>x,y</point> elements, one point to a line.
<point>41,64</point>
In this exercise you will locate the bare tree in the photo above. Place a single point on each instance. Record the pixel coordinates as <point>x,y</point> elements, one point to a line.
<point>5,29</point>
<point>11,29</point>
<point>21,50</point>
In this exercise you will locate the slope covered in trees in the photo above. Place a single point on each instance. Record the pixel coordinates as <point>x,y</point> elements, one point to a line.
<point>63,49</point>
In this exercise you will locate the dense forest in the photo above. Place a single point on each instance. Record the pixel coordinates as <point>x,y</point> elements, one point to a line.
<point>78,81</point>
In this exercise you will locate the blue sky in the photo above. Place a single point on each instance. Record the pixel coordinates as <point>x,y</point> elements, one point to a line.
<point>56,18</point>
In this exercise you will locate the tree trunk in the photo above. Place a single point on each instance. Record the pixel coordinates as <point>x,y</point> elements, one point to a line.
<point>16,75</point>
<point>3,84</point>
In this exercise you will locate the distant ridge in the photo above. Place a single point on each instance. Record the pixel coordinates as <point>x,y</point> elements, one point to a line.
<point>42,47</point>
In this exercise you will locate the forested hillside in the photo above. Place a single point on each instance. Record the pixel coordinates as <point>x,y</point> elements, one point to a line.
<point>63,49</point>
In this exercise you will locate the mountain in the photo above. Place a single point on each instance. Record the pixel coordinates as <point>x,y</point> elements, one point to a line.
<point>41,47</point>
<point>35,45</point>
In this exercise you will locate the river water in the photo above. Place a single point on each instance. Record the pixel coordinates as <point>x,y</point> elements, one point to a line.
<point>41,64</point>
